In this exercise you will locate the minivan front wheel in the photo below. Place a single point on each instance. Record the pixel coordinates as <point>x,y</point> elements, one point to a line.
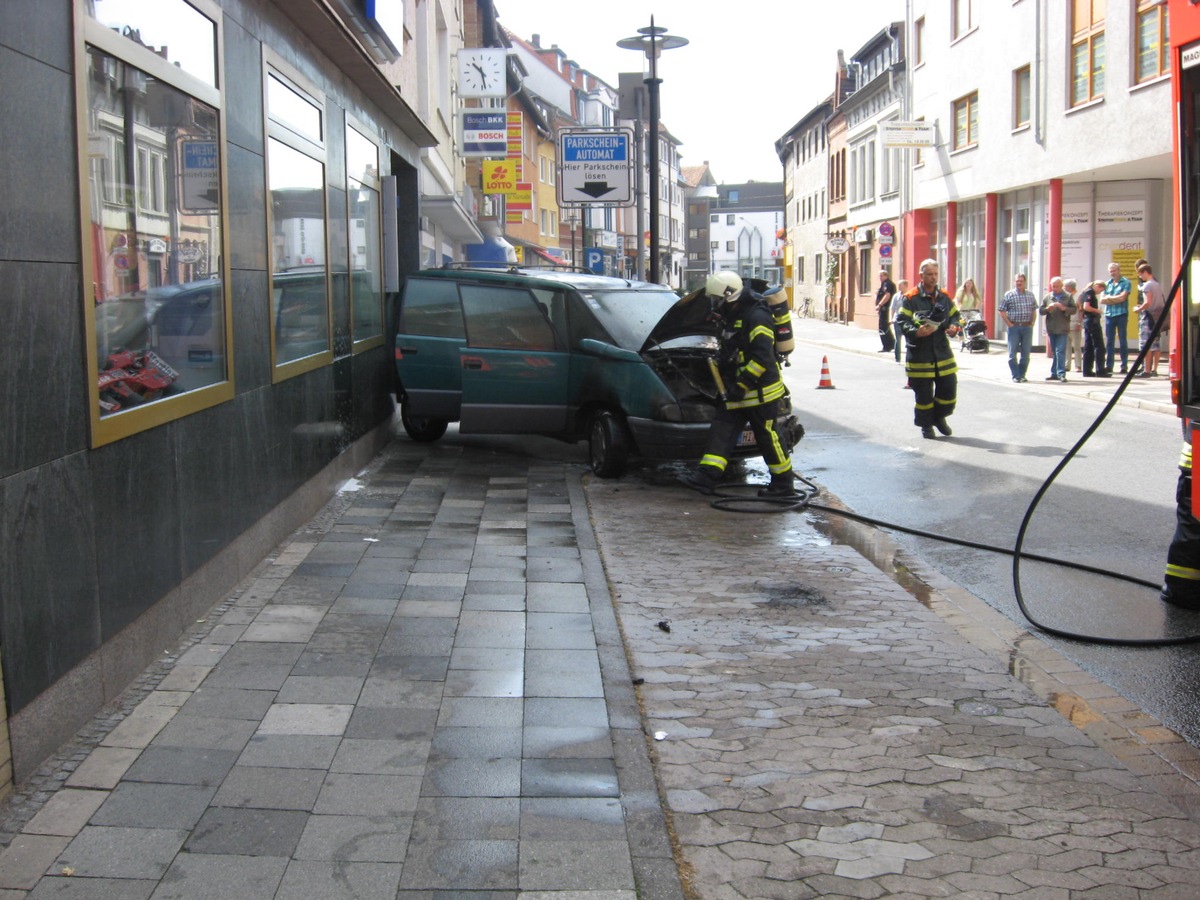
<point>608,444</point>
<point>421,428</point>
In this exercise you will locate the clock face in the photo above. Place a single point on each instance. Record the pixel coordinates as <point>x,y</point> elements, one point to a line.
<point>481,72</point>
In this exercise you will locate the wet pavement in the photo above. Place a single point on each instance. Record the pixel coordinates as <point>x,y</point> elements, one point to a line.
<point>480,674</point>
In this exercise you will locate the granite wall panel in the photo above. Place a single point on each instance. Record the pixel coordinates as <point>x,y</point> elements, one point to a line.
<point>41,344</point>
<point>49,610</point>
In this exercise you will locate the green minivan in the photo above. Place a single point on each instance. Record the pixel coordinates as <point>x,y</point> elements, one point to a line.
<point>624,365</point>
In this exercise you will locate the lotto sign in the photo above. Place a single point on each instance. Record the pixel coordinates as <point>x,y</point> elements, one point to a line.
<point>484,134</point>
<point>500,177</point>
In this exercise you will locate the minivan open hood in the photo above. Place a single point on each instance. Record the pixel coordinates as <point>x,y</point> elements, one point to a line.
<point>691,315</point>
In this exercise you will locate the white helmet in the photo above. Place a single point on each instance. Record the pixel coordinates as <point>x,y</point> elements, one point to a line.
<point>724,285</point>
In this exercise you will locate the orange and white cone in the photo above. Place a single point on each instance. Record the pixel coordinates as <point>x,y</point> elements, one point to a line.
<point>826,381</point>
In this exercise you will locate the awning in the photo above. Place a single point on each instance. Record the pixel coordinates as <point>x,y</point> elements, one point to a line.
<point>548,257</point>
<point>449,213</point>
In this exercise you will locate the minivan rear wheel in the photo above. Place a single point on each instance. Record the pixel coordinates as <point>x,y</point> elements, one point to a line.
<point>421,428</point>
<point>608,444</point>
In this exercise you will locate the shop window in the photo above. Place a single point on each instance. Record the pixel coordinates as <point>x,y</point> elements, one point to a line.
<point>1087,51</point>
<point>1153,45</point>
<point>299,255</point>
<point>366,238</point>
<point>151,199</point>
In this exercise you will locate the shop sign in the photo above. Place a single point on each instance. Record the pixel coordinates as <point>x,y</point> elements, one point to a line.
<point>837,245</point>
<point>499,177</point>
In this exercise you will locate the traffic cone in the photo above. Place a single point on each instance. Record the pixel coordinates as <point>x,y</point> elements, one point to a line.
<point>826,382</point>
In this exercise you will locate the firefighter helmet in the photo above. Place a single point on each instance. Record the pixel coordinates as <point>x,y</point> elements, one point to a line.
<point>724,285</point>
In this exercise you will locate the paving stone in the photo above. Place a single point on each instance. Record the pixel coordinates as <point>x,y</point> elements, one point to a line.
<point>158,806</point>
<point>121,852</point>
<point>247,832</point>
<point>368,795</point>
<point>270,788</point>
<point>218,877</point>
<point>201,766</point>
<point>355,838</point>
<point>322,880</point>
<point>27,858</point>
<point>66,812</point>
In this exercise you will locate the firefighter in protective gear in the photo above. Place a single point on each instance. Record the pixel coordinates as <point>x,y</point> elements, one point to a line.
<point>1181,583</point>
<point>928,319</point>
<point>754,390</point>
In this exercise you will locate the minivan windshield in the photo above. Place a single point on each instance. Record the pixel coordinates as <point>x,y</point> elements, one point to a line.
<point>629,316</point>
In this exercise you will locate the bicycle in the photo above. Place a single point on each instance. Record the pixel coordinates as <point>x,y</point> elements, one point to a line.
<point>806,310</point>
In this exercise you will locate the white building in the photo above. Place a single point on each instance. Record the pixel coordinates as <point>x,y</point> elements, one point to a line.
<point>1053,151</point>
<point>746,233</point>
<point>804,151</point>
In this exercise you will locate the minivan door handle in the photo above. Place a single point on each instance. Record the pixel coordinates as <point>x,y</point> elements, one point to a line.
<point>472,362</point>
<point>408,350</point>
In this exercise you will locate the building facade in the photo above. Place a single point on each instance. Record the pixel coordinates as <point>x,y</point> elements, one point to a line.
<point>746,230</point>
<point>1053,153</point>
<point>200,237</point>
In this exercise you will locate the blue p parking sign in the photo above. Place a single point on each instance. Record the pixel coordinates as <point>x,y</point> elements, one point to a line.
<point>593,258</point>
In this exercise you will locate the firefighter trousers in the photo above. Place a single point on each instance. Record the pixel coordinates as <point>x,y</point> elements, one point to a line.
<point>935,390</point>
<point>728,424</point>
<point>1181,585</point>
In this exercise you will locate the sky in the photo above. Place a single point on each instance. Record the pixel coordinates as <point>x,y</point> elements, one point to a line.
<point>750,71</point>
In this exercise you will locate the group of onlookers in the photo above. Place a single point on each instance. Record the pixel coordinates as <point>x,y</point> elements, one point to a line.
<point>1087,330</point>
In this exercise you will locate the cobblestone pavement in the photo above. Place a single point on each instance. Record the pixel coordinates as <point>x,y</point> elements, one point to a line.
<point>821,733</point>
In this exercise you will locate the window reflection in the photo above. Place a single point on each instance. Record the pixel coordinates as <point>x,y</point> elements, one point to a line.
<point>154,177</point>
<point>298,255</point>
<point>173,29</point>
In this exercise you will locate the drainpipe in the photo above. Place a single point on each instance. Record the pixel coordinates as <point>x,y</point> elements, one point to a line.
<point>1036,87</point>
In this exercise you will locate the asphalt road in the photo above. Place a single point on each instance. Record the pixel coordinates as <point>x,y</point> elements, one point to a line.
<point>1112,506</point>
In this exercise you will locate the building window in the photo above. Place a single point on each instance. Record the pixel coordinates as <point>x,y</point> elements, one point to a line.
<point>960,18</point>
<point>1021,79</point>
<point>299,257</point>
<point>733,196</point>
<point>1153,46</point>
<point>730,218</point>
<point>729,247</point>
<point>864,270</point>
<point>1087,51</point>
<point>966,121</point>
<point>799,269</point>
<point>919,42</point>
<point>153,215</point>
<point>365,240</point>
<point>715,219</point>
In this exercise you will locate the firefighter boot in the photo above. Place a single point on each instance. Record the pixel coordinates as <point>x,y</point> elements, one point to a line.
<point>704,480</point>
<point>781,486</point>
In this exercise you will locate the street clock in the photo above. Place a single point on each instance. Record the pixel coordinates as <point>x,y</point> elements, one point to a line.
<point>481,72</point>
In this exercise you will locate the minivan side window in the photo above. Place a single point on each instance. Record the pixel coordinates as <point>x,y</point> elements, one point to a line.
<point>431,308</point>
<point>505,318</point>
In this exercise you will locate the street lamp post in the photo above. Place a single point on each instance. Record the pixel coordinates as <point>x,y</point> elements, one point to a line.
<point>653,40</point>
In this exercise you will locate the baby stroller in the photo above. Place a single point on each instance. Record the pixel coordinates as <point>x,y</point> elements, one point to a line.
<point>974,332</point>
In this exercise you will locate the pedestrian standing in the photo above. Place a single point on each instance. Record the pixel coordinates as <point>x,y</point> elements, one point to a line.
<point>1115,300</point>
<point>1093,331</point>
<point>929,318</point>
<point>897,303</point>
<point>1150,308</point>
<point>1057,308</point>
<point>1075,334</point>
<point>1017,309</point>
<point>883,308</point>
